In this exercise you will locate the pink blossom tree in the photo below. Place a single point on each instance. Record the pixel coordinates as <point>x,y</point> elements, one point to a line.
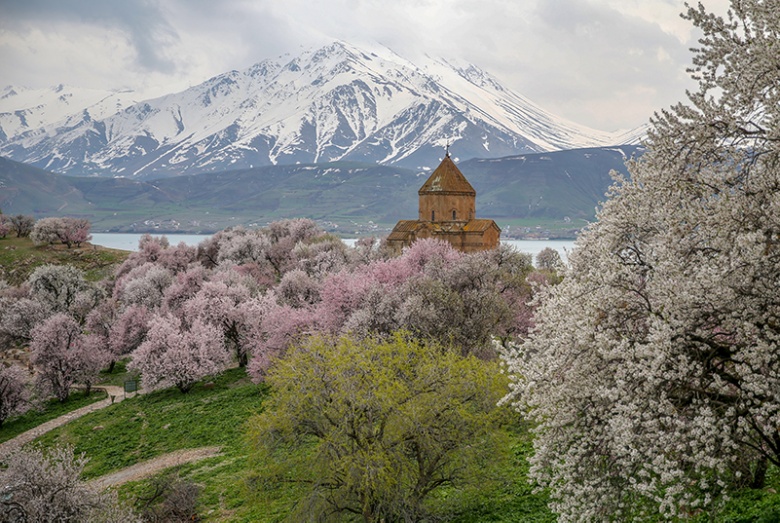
<point>75,231</point>
<point>175,353</point>
<point>156,250</point>
<point>129,330</point>
<point>149,251</point>
<point>97,325</point>
<point>186,284</point>
<point>340,295</point>
<point>431,290</point>
<point>69,231</point>
<point>429,255</point>
<point>178,259</point>
<point>222,306</point>
<point>60,357</point>
<point>14,394</point>
<point>280,326</point>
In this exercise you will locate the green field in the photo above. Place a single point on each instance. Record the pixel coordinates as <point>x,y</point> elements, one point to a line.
<point>146,426</point>
<point>19,258</point>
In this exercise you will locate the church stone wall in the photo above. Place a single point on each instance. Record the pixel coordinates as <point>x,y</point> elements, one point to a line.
<point>442,204</point>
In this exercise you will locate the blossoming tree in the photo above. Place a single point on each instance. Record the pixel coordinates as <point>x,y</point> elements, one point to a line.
<point>175,353</point>
<point>652,373</point>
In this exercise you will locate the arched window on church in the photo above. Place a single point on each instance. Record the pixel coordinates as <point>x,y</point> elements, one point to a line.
<point>433,216</point>
<point>454,215</point>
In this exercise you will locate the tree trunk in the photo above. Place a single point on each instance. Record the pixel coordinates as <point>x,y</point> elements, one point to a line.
<point>759,475</point>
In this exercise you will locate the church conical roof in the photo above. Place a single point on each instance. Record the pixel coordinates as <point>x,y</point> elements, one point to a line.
<point>447,178</point>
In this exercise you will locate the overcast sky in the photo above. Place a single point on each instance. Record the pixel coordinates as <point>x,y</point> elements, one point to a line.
<point>607,64</point>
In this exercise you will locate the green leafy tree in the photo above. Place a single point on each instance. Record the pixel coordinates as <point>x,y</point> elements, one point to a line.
<point>372,428</point>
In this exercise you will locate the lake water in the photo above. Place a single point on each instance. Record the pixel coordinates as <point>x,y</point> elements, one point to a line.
<point>129,242</point>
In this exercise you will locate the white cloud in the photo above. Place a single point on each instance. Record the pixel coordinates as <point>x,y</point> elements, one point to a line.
<point>604,63</point>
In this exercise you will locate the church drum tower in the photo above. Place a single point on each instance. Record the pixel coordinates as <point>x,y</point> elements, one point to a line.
<point>448,212</point>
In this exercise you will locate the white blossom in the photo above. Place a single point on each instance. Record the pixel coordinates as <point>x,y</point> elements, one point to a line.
<point>652,373</point>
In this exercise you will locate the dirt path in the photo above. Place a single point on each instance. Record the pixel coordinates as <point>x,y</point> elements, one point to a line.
<point>14,444</point>
<point>153,466</point>
<point>132,473</point>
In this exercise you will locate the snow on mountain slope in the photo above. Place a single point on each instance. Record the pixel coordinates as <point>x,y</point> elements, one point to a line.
<point>339,102</point>
<point>25,110</point>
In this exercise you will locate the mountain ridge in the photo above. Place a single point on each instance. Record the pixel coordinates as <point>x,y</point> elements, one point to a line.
<point>562,188</point>
<point>335,103</point>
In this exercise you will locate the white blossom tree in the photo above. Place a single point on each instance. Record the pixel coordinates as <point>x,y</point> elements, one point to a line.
<point>20,315</point>
<point>223,306</point>
<point>47,487</point>
<point>652,373</point>
<point>58,286</point>
<point>5,225</point>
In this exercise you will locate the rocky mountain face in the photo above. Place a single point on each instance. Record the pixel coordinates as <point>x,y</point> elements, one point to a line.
<point>337,103</point>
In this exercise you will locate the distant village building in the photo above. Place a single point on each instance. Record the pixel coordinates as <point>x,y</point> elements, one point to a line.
<point>447,212</point>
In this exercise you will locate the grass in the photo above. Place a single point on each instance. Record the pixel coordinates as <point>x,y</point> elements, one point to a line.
<point>19,257</point>
<point>750,505</point>
<point>48,411</point>
<point>149,425</point>
<point>118,375</point>
<point>146,426</point>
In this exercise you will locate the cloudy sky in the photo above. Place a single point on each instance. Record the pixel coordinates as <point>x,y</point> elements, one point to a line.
<point>604,63</point>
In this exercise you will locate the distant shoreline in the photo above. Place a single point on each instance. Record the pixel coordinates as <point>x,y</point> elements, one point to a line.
<point>129,241</point>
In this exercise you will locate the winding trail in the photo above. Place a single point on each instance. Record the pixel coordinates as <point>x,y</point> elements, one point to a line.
<point>151,467</point>
<point>115,395</point>
<point>131,473</point>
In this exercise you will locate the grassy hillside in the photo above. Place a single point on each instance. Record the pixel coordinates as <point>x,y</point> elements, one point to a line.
<point>28,190</point>
<point>564,184</point>
<point>147,426</point>
<point>19,258</point>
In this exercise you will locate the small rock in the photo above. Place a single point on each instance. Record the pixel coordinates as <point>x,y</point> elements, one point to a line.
<point>98,427</point>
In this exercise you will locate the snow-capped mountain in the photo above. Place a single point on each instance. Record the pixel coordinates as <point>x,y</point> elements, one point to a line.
<point>335,103</point>
<point>23,112</point>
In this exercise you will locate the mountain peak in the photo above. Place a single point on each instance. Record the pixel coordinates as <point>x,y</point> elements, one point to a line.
<point>337,102</point>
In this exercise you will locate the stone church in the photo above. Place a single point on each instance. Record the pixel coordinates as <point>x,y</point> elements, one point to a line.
<point>447,212</point>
